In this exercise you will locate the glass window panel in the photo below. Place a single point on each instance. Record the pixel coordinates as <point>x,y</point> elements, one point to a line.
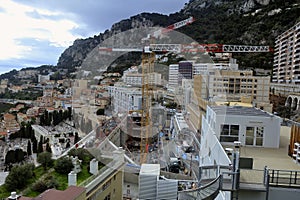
<point>250,132</point>
<point>234,130</point>
<point>228,139</point>
<point>224,129</point>
<point>249,140</point>
<point>259,141</point>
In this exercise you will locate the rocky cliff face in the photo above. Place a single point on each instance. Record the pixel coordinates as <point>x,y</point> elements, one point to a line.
<point>76,53</point>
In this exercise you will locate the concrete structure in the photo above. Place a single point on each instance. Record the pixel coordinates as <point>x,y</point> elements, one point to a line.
<point>134,79</point>
<point>284,89</point>
<point>187,90</point>
<point>250,126</point>
<point>173,77</point>
<point>293,101</point>
<point>203,68</point>
<point>287,56</point>
<point>43,78</point>
<point>125,98</point>
<point>78,87</point>
<point>153,187</point>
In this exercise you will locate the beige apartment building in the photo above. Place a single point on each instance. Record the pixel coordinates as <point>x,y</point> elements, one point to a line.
<point>286,67</point>
<point>229,88</point>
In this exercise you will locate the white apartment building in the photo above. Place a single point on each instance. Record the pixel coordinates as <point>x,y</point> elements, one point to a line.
<point>43,78</point>
<point>287,56</point>
<point>125,98</point>
<point>136,79</point>
<point>198,68</point>
<point>173,77</point>
<point>203,68</point>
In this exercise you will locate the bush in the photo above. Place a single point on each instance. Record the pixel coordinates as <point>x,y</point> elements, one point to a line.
<point>45,159</point>
<point>63,165</point>
<point>100,111</point>
<point>44,184</point>
<point>19,176</point>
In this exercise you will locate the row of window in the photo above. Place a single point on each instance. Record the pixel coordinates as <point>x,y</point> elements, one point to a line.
<point>230,133</point>
<point>236,80</point>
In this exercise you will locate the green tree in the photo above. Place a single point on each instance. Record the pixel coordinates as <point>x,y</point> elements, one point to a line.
<point>45,159</point>
<point>29,152</point>
<point>40,148</point>
<point>10,157</point>
<point>68,145</point>
<point>19,155</point>
<point>42,120</point>
<point>63,165</point>
<point>34,146</point>
<point>76,138</point>
<point>56,118</point>
<point>48,148</point>
<point>100,111</point>
<point>19,176</point>
<point>70,113</point>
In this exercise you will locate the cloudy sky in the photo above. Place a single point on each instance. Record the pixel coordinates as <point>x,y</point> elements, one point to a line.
<point>36,32</point>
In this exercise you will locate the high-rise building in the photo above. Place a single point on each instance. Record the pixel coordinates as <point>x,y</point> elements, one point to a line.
<point>185,71</point>
<point>287,56</point>
<point>173,77</point>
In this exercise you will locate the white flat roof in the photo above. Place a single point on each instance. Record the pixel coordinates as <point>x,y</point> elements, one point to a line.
<point>150,169</point>
<point>240,111</point>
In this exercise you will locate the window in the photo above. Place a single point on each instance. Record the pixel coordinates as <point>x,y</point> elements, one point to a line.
<point>107,197</point>
<point>259,136</point>
<point>249,135</point>
<point>255,136</point>
<point>229,133</point>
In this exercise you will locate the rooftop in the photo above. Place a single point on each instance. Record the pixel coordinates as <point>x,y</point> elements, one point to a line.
<point>150,169</point>
<point>240,110</point>
<point>71,193</point>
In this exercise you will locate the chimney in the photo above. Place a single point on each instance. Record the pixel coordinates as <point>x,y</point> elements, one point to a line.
<point>94,166</point>
<point>72,178</point>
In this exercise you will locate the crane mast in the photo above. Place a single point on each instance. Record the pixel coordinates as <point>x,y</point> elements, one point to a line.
<point>147,87</point>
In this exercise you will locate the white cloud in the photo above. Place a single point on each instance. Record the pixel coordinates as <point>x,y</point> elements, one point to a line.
<point>36,32</point>
<point>16,24</point>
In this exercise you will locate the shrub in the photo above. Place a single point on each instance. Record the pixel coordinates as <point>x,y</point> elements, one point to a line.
<point>63,165</point>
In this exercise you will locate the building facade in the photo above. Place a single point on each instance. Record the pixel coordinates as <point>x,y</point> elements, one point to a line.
<point>250,126</point>
<point>287,56</point>
<point>173,77</point>
<point>125,98</point>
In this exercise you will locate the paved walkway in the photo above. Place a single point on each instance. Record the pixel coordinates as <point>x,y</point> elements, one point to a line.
<point>271,157</point>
